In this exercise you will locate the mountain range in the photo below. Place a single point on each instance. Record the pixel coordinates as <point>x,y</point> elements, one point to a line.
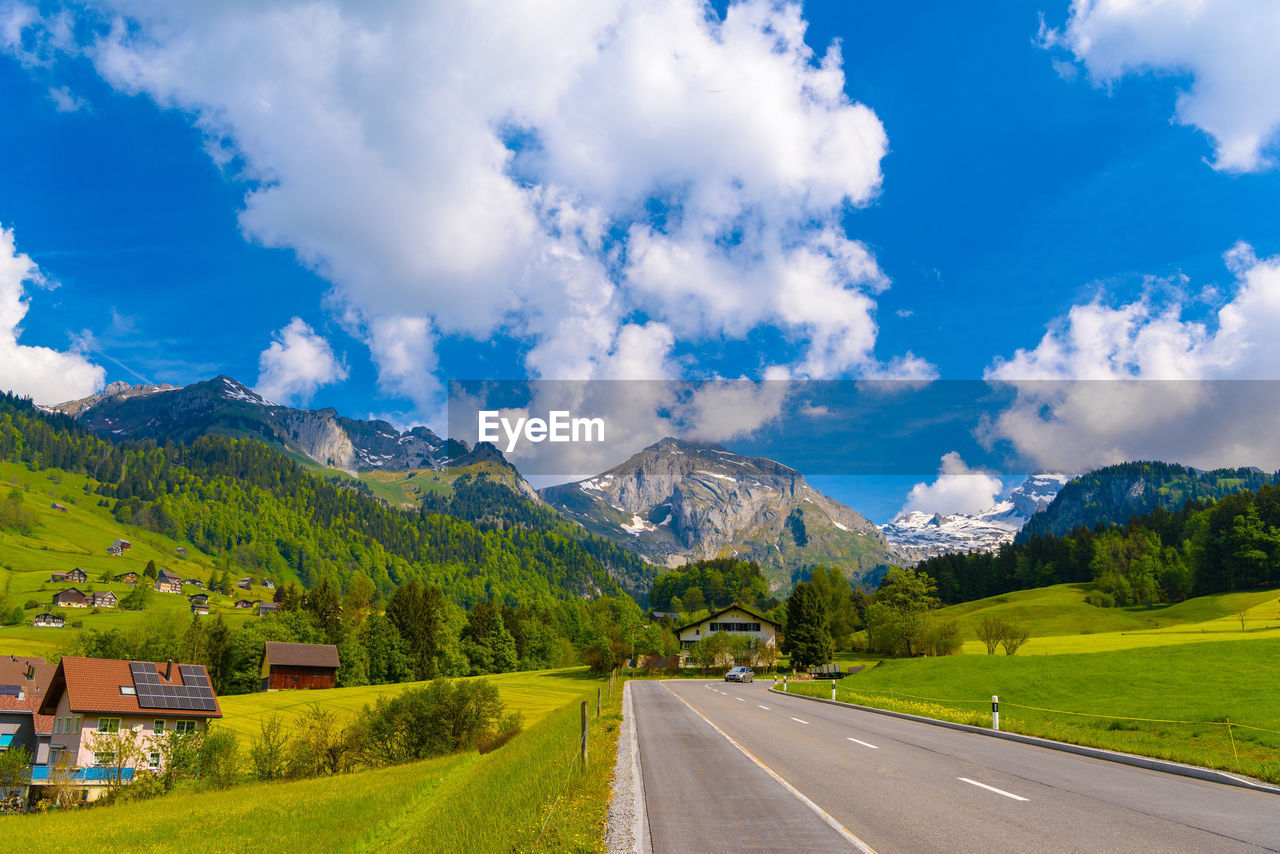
<point>917,535</point>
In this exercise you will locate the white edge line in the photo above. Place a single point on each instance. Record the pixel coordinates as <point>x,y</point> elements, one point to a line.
<point>766,708</point>
<point>863,743</point>
<point>823,814</point>
<point>739,699</point>
<point>797,720</point>
<point>992,789</point>
<point>640,828</point>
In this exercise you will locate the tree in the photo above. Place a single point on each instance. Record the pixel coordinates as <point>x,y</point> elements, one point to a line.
<point>151,571</point>
<point>116,753</point>
<point>808,636</point>
<point>842,612</point>
<point>269,750</point>
<point>709,651</point>
<point>908,595</point>
<point>1014,637</point>
<point>15,775</point>
<point>991,631</point>
<point>138,598</point>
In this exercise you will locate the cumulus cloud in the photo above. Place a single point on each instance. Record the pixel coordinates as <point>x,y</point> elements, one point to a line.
<point>958,489</point>
<point>296,363</point>
<point>1226,47</point>
<point>546,171</point>
<point>41,373</point>
<point>1143,381</point>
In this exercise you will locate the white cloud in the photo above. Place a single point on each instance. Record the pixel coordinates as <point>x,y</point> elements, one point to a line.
<point>296,364</point>
<point>1226,47</point>
<point>958,489</point>
<point>41,373</point>
<point>64,100</point>
<point>1141,381</point>
<point>547,171</point>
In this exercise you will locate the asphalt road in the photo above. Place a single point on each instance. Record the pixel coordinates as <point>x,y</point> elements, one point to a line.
<point>902,786</point>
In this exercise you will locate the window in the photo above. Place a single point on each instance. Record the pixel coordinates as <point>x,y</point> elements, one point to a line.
<point>6,739</point>
<point>108,724</point>
<point>158,726</point>
<point>182,727</point>
<point>105,757</point>
<point>128,690</point>
<point>153,760</point>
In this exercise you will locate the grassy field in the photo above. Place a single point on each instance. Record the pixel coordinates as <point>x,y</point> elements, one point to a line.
<point>1171,702</point>
<point>79,538</point>
<point>535,694</point>
<point>496,802</point>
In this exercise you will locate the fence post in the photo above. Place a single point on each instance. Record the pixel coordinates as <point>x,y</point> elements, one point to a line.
<point>995,712</point>
<point>597,702</point>
<point>584,733</point>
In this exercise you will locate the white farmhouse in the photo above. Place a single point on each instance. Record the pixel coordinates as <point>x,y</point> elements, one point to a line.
<point>735,620</point>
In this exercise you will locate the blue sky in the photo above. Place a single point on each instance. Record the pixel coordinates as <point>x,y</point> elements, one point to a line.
<point>979,173</point>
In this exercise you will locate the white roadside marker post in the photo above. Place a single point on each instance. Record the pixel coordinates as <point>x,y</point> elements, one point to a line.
<point>995,713</point>
<point>833,689</point>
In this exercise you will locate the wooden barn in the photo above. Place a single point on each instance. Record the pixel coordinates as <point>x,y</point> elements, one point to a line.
<point>287,666</point>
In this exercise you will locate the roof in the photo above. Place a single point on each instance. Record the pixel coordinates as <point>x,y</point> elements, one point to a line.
<point>61,593</point>
<point>93,685</point>
<point>166,575</point>
<point>13,671</point>
<point>30,705</point>
<point>302,654</point>
<point>732,607</point>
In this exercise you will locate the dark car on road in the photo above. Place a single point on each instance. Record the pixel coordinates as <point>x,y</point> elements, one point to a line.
<point>740,674</point>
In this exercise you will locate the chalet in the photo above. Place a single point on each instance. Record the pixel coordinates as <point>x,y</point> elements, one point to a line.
<point>663,616</point>
<point>195,582</point>
<point>201,608</point>
<point>265,608</point>
<point>734,620</point>
<point>269,584</point>
<point>119,547</point>
<point>75,576</point>
<point>56,506</point>
<point>105,599</point>
<point>298,665</point>
<point>129,577</point>
<point>167,582</point>
<point>92,697</point>
<point>48,621</point>
<point>181,551</point>
<point>199,599</point>
<point>244,583</point>
<point>24,677</point>
<point>244,603</point>
<point>71,598</point>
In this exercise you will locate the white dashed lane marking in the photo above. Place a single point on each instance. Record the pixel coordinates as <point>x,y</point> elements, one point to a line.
<point>863,743</point>
<point>992,789</point>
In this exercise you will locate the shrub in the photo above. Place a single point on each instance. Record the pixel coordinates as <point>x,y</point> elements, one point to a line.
<point>942,638</point>
<point>441,717</point>
<point>1100,599</point>
<point>32,603</point>
<point>1014,638</point>
<point>991,631</point>
<point>220,759</point>
<point>268,751</point>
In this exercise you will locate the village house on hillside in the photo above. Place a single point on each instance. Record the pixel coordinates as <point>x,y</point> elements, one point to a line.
<point>265,608</point>
<point>201,608</point>
<point>56,506</point>
<point>48,621</point>
<point>22,726</point>
<point>70,598</point>
<point>734,620</point>
<point>195,582</point>
<point>244,603</point>
<point>75,576</point>
<point>129,577</point>
<point>105,599</point>
<point>298,665</point>
<point>198,598</point>
<point>119,547</point>
<point>167,582</point>
<point>90,697</point>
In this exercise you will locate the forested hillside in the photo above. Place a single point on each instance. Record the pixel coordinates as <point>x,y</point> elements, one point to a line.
<point>1209,546</point>
<point>1114,494</point>
<point>259,511</point>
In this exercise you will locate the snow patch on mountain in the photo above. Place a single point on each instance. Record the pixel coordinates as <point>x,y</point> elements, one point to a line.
<point>917,535</point>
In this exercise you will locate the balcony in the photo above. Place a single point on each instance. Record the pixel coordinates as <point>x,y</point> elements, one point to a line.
<point>87,774</point>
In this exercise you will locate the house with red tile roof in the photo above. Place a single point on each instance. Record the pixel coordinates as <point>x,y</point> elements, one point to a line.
<point>24,677</point>
<point>92,697</point>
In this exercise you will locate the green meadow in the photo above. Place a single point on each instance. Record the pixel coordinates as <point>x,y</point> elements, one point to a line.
<point>79,538</point>
<point>532,794</point>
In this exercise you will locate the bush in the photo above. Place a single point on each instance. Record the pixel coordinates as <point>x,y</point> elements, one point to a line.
<point>942,638</point>
<point>269,750</point>
<point>438,718</point>
<point>1100,599</point>
<point>220,759</point>
<point>32,603</point>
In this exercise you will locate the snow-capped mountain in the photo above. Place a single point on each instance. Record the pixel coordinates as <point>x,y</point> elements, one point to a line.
<point>677,501</point>
<point>918,535</point>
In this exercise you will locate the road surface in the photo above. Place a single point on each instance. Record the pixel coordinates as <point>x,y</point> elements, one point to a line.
<point>892,785</point>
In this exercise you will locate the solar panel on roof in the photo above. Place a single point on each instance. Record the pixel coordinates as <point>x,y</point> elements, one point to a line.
<point>195,694</point>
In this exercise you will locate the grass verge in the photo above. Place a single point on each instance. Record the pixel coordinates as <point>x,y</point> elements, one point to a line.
<point>1171,702</point>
